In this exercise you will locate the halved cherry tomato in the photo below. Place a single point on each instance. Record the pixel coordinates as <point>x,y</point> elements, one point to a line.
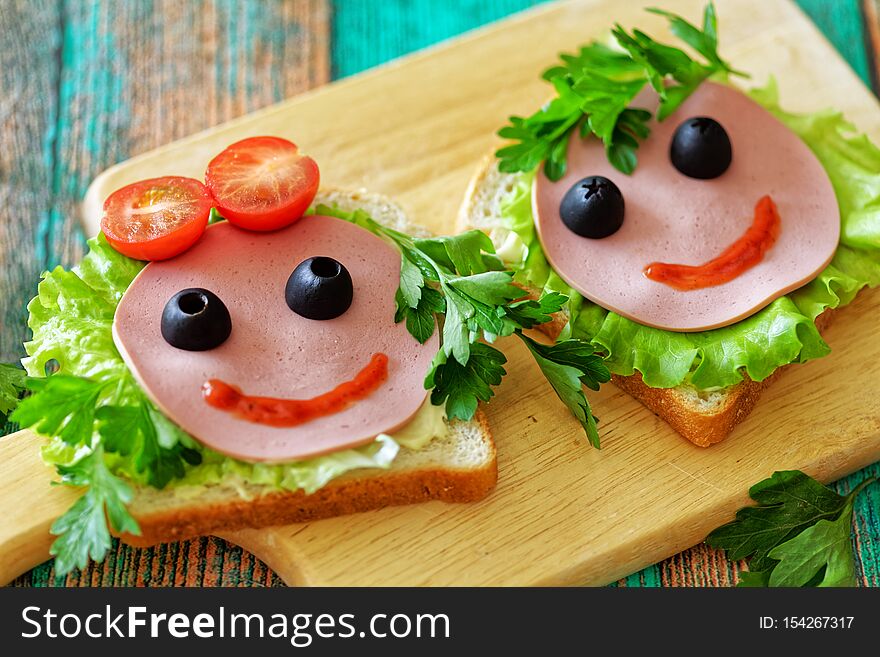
<point>156,219</point>
<point>262,183</point>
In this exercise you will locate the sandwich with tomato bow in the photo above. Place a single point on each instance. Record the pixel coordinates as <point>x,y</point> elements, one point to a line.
<point>250,351</point>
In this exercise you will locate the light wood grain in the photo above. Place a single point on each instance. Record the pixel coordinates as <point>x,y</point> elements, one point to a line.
<point>29,503</point>
<point>563,513</point>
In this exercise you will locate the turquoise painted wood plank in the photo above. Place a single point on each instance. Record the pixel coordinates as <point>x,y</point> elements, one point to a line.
<point>29,78</point>
<point>368,33</point>
<point>843,23</point>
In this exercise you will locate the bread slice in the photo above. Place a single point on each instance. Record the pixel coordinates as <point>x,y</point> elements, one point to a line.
<point>461,467</point>
<point>704,418</point>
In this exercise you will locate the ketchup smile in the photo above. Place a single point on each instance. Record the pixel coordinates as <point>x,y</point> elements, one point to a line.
<point>293,412</point>
<point>743,254</point>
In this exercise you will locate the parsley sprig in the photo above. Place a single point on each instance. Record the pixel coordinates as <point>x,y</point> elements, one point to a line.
<point>798,535</point>
<point>86,415</point>
<point>83,530</point>
<point>595,89</point>
<point>461,279</point>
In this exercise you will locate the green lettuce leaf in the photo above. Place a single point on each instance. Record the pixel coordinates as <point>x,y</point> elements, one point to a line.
<point>850,159</point>
<point>308,475</point>
<point>72,315</point>
<point>784,332</point>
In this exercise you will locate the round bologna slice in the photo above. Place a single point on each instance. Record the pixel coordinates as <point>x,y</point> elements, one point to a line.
<point>671,218</point>
<point>272,351</point>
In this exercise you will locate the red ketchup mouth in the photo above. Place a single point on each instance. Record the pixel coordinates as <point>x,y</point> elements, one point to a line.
<point>293,412</point>
<point>743,254</point>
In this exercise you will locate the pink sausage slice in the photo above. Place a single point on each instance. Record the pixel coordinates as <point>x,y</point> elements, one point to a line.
<point>272,351</point>
<point>672,218</point>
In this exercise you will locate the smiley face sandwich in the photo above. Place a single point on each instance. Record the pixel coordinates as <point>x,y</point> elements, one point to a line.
<point>702,234</point>
<point>250,351</point>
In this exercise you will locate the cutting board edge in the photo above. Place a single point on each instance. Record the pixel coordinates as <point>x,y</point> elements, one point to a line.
<point>293,101</point>
<point>724,511</point>
<point>826,468</point>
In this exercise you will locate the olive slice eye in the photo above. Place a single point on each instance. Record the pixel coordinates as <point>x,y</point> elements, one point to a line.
<point>593,207</point>
<point>700,148</point>
<point>195,319</point>
<point>325,267</point>
<point>192,303</point>
<point>319,288</point>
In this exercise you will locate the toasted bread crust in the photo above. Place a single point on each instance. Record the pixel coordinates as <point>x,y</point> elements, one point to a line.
<point>352,493</point>
<point>695,424</point>
<point>702,429</point>
<point>706,429</point>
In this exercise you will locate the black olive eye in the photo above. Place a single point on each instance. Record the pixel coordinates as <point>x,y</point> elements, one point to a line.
<point>319,288</point>
<point>195,319</point>
<point>593,208</point>
<point>700,148</point>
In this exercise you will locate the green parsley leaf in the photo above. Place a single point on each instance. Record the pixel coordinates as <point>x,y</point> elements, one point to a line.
<point>82,531</point>
<point>789,502</point>
<point>420,320</point>
<point>490,320</point>
<point>595,88</point>
<point>754,579</point>
<point>704,42</point>
<point>798,535</point>
<point>456,333</point>
<point>120,427</point>
<point>568,365</point>
<point>823,548</point>
<point>461,386</point>
<point>544,135</point>
<point>621,150</point>
<point>132,430</point>
<point>530,312</point>
<point>471,285</point>
<point>493,288</point>
<point>80,412</point>
<point>62,405</point>
<point>73,408</point>
<point>411,282</point>
<point>215,217</point>
<point>13,382</point>
<point>461,254</point>
<point>459,276</point>
<point>667,63</point>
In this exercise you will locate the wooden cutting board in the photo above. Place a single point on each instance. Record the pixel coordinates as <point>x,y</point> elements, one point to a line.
<point>563,513</point>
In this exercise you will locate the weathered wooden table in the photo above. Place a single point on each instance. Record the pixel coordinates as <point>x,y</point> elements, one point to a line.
<point>86,84</point>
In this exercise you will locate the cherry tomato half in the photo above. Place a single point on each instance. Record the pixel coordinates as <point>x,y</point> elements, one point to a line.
<point>262,183</point>
<point>156,219</point>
